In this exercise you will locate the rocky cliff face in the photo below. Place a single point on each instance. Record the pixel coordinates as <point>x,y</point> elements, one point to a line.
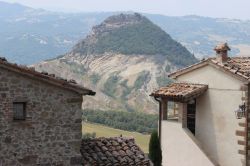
<point>123,59</point>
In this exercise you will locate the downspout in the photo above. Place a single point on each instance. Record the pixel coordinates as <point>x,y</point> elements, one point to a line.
<point>247,125</point>
<point>160,115</point>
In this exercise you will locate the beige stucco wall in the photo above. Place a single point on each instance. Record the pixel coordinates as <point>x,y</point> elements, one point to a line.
<point>179,149</point>
<point>215,120</point>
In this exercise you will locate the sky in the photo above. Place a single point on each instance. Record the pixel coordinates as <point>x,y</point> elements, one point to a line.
<point>238,9</point>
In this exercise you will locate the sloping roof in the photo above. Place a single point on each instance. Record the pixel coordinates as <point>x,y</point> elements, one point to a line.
<point>116,151</point>
<point>236,66</point>
<point>181,92</point>
<point>45,77</point>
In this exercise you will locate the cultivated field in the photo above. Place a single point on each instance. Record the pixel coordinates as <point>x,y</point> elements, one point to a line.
<point>103,131</point>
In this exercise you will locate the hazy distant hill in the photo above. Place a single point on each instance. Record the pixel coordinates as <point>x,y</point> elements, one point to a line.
<point>8,10</point>
<point>30,35</point>
<point>201,34</point>
<point>124,59</point>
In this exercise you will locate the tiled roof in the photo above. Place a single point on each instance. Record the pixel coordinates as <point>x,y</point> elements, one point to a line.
<point>237,66</point>
<point>117,151</point>
<point>181,92</point>
<point>45,77</point>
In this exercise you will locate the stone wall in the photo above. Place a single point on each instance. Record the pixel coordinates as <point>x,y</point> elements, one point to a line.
<point>51,133</point>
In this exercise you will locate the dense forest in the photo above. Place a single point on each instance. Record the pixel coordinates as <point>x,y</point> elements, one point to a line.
<point>130,121</point>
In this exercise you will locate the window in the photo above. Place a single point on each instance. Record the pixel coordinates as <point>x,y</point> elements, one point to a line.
<point>191,115</point>
<point>173,111</point>
<point>19,111</point>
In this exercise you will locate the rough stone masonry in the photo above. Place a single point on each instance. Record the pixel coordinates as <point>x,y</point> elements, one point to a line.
<point>50,134</point>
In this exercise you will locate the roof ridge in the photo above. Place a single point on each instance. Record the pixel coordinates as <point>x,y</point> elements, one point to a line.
<point>45,76</point>
<point>110,138</point>
<point>190,83</point>
<point>236,66</point>
<point>240,57</point>
<point>189,67</point>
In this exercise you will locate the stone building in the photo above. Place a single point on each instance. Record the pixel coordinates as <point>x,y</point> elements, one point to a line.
<point>204,115</point>
<point>40,118</point>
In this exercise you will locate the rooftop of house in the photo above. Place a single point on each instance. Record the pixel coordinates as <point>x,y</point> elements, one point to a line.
<point>45,77</point>
<point>112,151</point>
<point>237,66</point>
<point>180,92</point>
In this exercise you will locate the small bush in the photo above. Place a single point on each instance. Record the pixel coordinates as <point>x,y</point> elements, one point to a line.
<point>89,135</point>
<point>95,78</point>
<point>155,149</point>
<point>111,85</point>
<point>141,79</point>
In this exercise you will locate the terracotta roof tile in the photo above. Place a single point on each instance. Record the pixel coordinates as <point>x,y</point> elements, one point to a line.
<point>236,65</point>
<point>180,91</point>
<point>46,77</point>
<point>112,151</point>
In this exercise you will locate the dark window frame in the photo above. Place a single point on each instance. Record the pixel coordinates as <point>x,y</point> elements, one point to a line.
<point>18,117</point>
<point>173,111</point>
<point>191,116</point>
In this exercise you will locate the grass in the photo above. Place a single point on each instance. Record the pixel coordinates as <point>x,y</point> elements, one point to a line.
<point>102,131</point>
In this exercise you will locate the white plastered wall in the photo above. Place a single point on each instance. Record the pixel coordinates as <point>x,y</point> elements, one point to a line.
<point>215,119</point>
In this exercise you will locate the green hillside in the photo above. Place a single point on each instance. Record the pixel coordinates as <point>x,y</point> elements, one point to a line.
<point>138,35</point>
<point>129,121</point>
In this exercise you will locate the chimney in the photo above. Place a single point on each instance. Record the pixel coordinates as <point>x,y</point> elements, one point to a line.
<point>221,52</point>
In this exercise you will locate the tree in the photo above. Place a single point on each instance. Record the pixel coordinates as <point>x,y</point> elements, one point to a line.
<point>155,149</point>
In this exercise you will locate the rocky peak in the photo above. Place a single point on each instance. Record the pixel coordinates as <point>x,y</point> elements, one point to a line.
<point>117,21</point>
<point>124,19</point>
<point>107,26</point>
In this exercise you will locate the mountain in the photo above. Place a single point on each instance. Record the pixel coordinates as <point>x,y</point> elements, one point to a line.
<point>30,35</point>
<point>200,34</point>
<point>133,35</point>
<point>10,10</point>
<point>124,59</point>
